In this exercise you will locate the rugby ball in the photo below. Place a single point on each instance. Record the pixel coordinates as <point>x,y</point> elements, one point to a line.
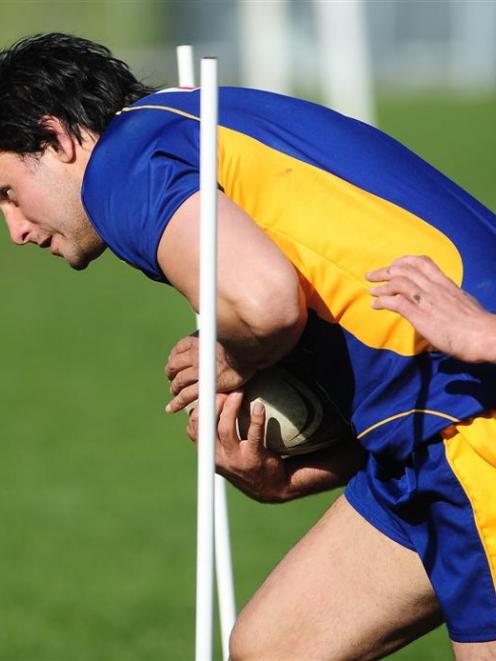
<point>299,415</point>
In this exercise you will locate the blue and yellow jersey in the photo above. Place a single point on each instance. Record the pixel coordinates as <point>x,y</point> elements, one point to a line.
<point>339,198</point>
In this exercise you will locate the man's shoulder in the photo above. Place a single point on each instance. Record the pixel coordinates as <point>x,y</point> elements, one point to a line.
<point>156,124</point>
<point>142,167</point>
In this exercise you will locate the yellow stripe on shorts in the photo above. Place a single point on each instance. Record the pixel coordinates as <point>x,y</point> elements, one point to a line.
<point>471,453</point>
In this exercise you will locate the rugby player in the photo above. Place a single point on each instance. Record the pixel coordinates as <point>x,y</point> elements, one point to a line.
<point>309,201</point>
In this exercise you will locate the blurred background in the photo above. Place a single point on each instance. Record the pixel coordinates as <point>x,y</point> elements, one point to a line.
<point>97,484</point>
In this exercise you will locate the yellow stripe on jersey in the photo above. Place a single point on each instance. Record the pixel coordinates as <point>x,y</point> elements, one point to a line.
<point>333,232</point>
<point>471,452</point>
<point>404,414</point>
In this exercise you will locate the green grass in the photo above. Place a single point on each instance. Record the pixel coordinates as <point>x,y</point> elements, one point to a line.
<point>97,484</point>
<point>455,134</point>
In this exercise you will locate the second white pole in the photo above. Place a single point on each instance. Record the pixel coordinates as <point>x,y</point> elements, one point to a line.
<point>222,544</point>
<point>185,65</point>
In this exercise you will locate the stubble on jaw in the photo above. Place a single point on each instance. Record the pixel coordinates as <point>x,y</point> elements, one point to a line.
<point>89,247</point>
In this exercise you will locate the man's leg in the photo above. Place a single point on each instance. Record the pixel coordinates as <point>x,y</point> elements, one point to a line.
<point>475,651</point>
<point>345,591</point>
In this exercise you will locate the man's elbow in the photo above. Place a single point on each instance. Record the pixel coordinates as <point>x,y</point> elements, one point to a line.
<point>286,316</point>
<point>262,321</point>
<point>278,312</point>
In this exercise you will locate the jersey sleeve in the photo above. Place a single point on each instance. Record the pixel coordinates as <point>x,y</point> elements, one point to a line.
<point>141,171</point>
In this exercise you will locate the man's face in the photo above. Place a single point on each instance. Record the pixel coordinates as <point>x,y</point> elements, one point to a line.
<point>40,197</point>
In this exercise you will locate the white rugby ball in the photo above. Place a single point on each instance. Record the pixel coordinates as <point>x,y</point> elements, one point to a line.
<point>299,416</point>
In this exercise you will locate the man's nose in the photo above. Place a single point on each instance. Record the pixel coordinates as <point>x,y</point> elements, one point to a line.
<point>19,228</point>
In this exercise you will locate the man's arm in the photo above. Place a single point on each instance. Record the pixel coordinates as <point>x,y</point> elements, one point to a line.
<point>451,320</point>
<point>261,310</point>
<point>264,475</point>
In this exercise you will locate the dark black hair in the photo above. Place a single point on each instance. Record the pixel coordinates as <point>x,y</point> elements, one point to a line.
<point>71,78</point>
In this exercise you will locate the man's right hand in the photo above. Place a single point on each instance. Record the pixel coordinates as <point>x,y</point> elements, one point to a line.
<point>264,475</point>
<point>246,463</point>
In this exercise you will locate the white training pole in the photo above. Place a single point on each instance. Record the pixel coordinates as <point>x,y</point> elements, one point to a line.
<point>265,44</point>
<point>344,55</point>
<point>223,566</point>
<point>185,65</point>
<point>223,560</point>
<point>208,336</point>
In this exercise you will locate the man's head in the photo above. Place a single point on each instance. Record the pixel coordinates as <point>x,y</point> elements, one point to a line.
<point>58,93</point>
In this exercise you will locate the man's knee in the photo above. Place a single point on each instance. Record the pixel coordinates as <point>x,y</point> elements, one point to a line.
<point>244,642</point>
<point>475,651</point>
<point>255,640</point>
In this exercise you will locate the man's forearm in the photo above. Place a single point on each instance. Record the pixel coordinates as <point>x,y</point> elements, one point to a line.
<point>287,479</point>
<point>324,470</point>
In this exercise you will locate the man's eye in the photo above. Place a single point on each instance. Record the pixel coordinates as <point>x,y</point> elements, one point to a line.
<point>5,193</point>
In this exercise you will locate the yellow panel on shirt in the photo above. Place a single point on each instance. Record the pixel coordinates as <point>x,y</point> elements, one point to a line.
<point>326,226</point>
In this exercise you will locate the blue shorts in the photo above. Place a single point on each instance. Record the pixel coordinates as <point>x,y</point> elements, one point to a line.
<point>442,505</point>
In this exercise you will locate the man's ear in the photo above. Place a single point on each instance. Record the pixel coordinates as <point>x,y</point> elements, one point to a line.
<point>64,143</point>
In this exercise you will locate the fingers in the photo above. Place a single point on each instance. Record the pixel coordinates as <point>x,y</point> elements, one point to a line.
<point>417,289</point>
<point>183,355</point>
<point>182,399</point>
<point>412,283</point>
<point>227,411</point>
<point>185,344</point>
<point>228,407</point>
<point>176,363</point>
<point>182,371</point>
<point>192,428</point>
<point>404,276</point>
<point>419,268</point>
<point>256,430</point>
<point>395,303</point>
<point>379,275</point>
<point>400,285</point>
<point>227,427</point>
<point>184,378</point>
<point>421,264</point>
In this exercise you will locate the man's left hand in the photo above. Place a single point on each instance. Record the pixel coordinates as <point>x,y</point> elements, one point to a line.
<point>182,370</point>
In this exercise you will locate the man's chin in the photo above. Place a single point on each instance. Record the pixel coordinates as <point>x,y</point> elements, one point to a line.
<point>81,262</point>
<point>78,266</point>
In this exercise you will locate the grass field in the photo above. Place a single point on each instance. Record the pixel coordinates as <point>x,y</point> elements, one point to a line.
<point>97,484</point>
